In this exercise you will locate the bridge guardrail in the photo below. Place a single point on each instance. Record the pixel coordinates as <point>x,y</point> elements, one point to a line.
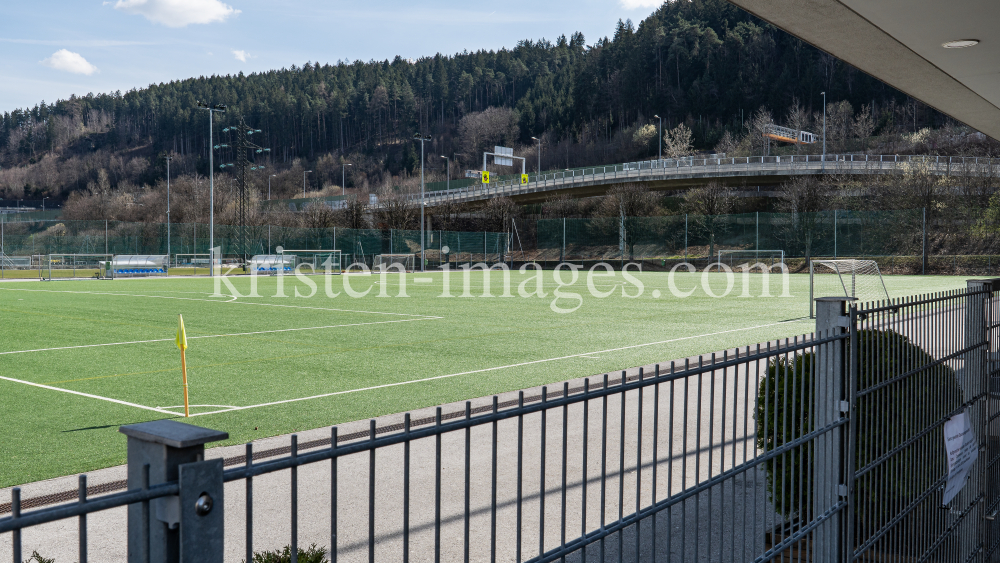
<point>666,168</point>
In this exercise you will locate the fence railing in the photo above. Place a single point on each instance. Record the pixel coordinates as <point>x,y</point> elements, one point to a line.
<point>827,447</point>
<point>666,169</point>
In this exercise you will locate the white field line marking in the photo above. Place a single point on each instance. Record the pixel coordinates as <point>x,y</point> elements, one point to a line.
<point>489,369</point>
<point>192,406</point>
<point>231,300</point>
<point>88,395</point>
<point>214,336</point>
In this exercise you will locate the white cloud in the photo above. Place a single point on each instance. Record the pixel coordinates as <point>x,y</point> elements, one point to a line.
<point>69,62</point>
<point>178,13</point>
<point>636,4</point>
<point>241,56</point>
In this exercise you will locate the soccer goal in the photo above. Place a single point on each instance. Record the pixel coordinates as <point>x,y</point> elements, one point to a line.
<point>734,258</point>
<point>322,261</point>
<point>850,278</point>
<point>384,261</point>
<point>76,266</point>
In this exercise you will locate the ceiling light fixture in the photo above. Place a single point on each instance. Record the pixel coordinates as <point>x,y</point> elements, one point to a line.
<point>960,44</point>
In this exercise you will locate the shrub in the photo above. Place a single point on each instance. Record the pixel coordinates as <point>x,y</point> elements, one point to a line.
<point>895,414</point>
<point>313,554</point>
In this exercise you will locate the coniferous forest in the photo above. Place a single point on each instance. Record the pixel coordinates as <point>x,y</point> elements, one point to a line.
<point>702,63</point>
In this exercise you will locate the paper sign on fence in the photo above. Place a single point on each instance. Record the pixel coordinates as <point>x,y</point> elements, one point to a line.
<point>960,443</point>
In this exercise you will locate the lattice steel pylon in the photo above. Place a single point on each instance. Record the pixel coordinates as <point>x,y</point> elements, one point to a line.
<point>244,164</point>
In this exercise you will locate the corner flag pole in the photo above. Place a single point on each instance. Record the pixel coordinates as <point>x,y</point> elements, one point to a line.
<point>182,343</point>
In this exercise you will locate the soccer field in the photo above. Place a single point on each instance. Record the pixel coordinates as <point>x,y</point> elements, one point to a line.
<point>80,358</point>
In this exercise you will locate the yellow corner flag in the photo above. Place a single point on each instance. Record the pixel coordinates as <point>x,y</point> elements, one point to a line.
<point>182,343</point>
<point>182,339</point>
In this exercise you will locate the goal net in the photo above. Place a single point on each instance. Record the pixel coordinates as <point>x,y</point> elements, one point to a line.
<point>849,278</point>
<point>76,266</point>
<point>736,258</point>
<point>322,261</point>
<point>385,261</point>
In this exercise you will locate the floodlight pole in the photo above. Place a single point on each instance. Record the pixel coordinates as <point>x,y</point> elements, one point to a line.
<point>269,186</point>
<point>343,178</point>
<point>659,154</point>
<point>823,167</point>
<point>168,159</point>
<point>211,183</point>
<point>422,138</point>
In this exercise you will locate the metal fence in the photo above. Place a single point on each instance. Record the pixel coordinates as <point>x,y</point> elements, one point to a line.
<point>826,447</point>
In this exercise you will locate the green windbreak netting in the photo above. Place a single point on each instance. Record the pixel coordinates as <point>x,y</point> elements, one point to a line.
<point>37,238</point>
<point>827,233</point>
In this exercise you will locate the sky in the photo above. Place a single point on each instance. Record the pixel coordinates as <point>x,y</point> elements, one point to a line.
<point>55,48</point>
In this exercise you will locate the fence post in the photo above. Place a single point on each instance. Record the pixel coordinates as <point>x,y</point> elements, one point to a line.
<point>186,527</point>
<point>827,408</point>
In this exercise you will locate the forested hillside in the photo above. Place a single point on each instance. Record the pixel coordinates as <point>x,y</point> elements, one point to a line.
<point>704,63</point>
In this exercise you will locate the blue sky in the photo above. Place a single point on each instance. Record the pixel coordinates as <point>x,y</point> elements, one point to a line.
<point>52,49</point>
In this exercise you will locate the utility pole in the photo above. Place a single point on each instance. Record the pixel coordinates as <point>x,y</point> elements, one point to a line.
<point>168,159</point>
<point>422,139</point>
<point>211,182</point>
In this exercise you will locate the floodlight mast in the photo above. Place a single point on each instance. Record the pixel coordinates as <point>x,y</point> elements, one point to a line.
<point>211,183</point>
<point>168,159</point>
<point>422,138</point>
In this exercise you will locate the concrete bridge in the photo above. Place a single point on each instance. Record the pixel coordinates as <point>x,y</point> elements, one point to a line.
<point>676,174</point>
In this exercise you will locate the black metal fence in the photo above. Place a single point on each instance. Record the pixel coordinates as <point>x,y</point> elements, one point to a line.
<point>826,447</point>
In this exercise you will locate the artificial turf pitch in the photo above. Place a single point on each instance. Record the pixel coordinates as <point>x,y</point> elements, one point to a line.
<point>80,358</point>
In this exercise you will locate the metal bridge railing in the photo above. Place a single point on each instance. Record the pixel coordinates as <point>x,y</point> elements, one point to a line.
<point>666,169</point>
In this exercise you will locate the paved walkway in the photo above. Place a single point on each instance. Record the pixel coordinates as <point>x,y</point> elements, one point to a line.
<point>702,430</point>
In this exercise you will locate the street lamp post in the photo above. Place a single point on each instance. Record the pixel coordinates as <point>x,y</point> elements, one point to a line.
<point>168,159</point>
<point>304,182</point>
<point>422,139</point>
<point>824,130</point>
<point>447,184</point>
<point>659,155</point>
<point>343,177</point>
<point>539,154</point>
<point>212,110</point>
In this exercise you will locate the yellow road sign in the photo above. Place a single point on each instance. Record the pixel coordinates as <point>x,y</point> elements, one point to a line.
<point>524,179</point>
<point>486,177</point>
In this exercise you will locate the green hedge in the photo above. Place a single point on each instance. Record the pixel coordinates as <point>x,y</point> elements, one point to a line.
<point>887,418</point>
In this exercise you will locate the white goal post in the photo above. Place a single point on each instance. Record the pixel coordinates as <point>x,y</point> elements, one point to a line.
<point>733,258</point>
<point>76,266</point>
<point>385,261</point>
<point>860,279</point>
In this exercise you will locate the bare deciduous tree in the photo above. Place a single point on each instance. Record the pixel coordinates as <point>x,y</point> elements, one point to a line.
<point>706,203</point>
